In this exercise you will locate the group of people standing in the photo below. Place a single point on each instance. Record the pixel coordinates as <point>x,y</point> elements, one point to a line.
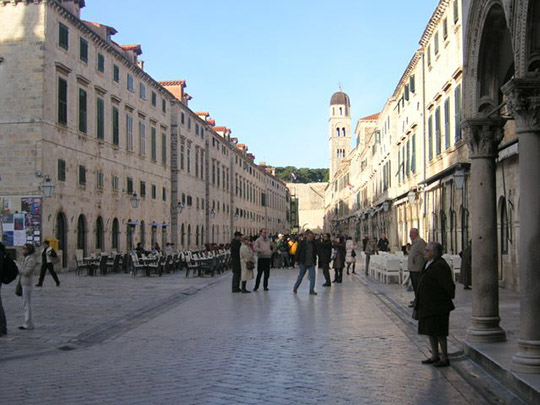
<point>27,267</point>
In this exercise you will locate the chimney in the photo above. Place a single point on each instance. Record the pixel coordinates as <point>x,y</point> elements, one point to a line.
<point>73,6</point>
<point>140,63</point>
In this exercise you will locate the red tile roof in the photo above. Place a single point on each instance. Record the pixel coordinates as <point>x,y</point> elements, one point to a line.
<point>173,83</point>
<point>370,117</point>
<point>220,129</point>
<point>136,48</point>
<point>212,122</point>
<point>202,113</point>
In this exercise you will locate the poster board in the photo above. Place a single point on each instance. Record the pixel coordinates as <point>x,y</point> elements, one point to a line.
<point>21,220</point>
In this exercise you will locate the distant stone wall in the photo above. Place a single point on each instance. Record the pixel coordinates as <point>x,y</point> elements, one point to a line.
<point>310,204</point>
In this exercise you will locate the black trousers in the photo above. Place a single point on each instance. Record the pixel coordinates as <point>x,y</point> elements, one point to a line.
<point>236,273</point>
<point>263,267</point>
<point>44,268</point>
<point>414,276</point>
<point>326,272</point>
<point>338,277</point>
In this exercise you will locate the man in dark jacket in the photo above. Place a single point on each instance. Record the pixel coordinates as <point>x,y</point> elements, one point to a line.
<point>325,253</point>
<point>306,256</point>
<point>236,243</point>
<point>383,243</point>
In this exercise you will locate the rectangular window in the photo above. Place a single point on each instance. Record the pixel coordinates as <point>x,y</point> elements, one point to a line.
<point>164,194</point>
<point>100,112</point>
<point>61,170</point>
<point>164,106</point>
<point>412,84</point>
<point>406,93</point>
<point>129,82</point>
<point>62,101</point>
<point>413,153</point>
<point>196,162</point>
<point>83,125</point>
<point>182,152</point>
<point>399,165</point>
<point>153,144</point>
<point>457,113</point>
<point>188,160</point>
<point>82,175</point>
<point>116,73</point>
<point>408,158</point>
<point>445,28</point>
<point>142,189</point>
<point>115,183</point>
<point>429,55</point>
<point>438,130</point>
<point>100,180</point>
<point>447,123</point>
<point>154,192</point>
<point>430,137</point>
<point>164,148</point>
<point>154,99</point>
<point>101,62</point>
<point>63,36</point>
<point>83,50</point>
<point>142,91</point>
<point>129,132</point>
<point>456,11</point>
<point>142,138</point>
<point>115,126</point>
<point>196,129</point>
<point>182,118</point>
<point>129,185</point>
<point>189,124</point>
<point>437,43</point>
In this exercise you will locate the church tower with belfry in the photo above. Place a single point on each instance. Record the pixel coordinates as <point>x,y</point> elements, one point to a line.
<point>339,126</point>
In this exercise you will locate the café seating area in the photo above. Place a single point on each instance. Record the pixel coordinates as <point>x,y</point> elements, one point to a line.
<point>197,263</point>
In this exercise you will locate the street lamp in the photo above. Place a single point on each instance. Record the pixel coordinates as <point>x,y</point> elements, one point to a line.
<point>235,217</point>
<point>180,207</point>
<point>386,206</point>
<point>48,187</point>
<point>134,200</point>
<point>459,177</point>
<point>212,212</point>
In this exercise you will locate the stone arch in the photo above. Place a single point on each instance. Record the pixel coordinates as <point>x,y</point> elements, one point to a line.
<point>81,234</point>
<point>115,234</point>
<point>489,57</point>
<point>100,234</point>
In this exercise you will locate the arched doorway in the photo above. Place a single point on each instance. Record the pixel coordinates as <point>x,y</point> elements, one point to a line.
<point>130,229</point>
<point>115,234</point>
<point>81,234</point>
<point>61,235</point>
<point>100,235</point>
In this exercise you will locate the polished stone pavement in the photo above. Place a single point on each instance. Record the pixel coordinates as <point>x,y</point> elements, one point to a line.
<point>173,340</point>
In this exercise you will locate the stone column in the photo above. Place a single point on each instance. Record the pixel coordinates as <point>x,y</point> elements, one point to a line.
<point>523,102</point>
<point>483,137</point>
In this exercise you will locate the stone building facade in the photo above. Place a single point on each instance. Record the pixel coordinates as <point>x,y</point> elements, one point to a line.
<point>309,205</point>
<point>130,162</point>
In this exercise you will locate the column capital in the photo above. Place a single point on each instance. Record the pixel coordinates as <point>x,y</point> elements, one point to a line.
<point>523,102</point>
<point>483,136</point>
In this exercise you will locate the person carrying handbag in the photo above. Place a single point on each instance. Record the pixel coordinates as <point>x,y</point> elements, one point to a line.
<point>48,259</point>
<point>29,265</point>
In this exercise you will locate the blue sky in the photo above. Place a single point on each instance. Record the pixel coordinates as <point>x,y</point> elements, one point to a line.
<point>267,69</point>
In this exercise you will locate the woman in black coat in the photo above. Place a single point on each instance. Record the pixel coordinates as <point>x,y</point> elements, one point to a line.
<point>436,289</point>
<point>339,261</point>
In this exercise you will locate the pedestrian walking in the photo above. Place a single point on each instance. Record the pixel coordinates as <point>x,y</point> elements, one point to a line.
<point>263,247</point>
<point>247,263</point>
<point>350,256</point>
<point>371,249</point>
<point>415,260</point>
<point>324,248</point>
<point>306,256</point>
<point>26,271</point>
<point>436,289</point>
<point>48,255</point>
<point>465,274</point>
<point>339,260</point>
<point>293,245</point>
<point>236,243</point>
<point>383,243</point>
<point>3,262</point>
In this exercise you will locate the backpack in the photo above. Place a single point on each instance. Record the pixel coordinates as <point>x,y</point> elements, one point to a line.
<point>9,270</point>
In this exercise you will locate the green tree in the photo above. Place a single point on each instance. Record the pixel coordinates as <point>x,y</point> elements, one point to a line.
<point>303,174</point>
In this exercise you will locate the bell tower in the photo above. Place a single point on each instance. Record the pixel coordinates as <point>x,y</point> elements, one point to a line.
<point>339,127</point>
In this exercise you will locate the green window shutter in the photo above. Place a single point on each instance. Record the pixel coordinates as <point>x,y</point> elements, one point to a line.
<point>154,144</point>
<point>164,149</point>
<point>83,111</point>
<point>100,110</point>
<point>430,137</point>
<point>447,123</point>
<point>63,36</point>
<point>116,126</point>
<point>457,106</point>
<point>438,130</point>
<point>413,154</point>
<point>83,51</point>
<point>62,101</point>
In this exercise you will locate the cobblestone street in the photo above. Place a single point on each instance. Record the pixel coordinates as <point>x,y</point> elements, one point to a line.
<point>139,340</point>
